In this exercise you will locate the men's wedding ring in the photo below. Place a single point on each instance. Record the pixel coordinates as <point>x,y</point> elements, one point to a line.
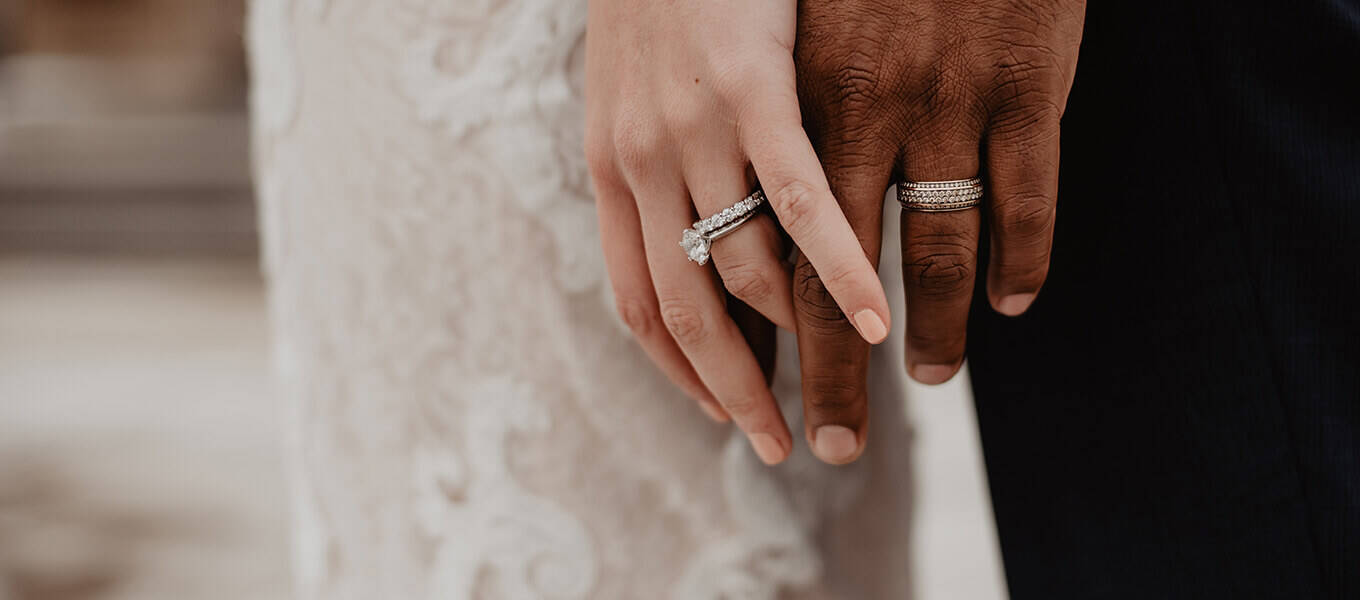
<point>940,196</point>
<point>700,236</point>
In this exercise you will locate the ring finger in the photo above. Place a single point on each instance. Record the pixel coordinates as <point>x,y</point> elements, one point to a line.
<point>939,260</point>
<point>749,259</point>
<point>693,311</point>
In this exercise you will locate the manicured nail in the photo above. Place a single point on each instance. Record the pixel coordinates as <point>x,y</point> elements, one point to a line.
<point>932,374</point>
<point>714,412</point>
<point>1014,304</point>
<point>834,444</point>
<point>871,326</point>
<point>770,451</point>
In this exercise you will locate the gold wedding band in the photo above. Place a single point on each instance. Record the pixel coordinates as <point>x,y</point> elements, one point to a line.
<point>940,196</point>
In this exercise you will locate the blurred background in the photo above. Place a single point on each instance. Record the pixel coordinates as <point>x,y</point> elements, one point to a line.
<point>139,443</point>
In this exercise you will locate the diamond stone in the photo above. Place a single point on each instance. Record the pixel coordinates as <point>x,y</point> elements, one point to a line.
<point>695,245</point>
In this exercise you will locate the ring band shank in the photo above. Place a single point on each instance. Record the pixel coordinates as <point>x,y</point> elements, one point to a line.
<point>730,227</point>
<point>724,217</point>
<point>940,196</point>
<point>697,240</point>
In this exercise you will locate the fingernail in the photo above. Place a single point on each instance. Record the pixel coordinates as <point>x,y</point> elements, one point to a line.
<point>871,326</point>
<point>1014,304</point>
<point>834,444</point>
<point>932,374</point>
<point>714,412</point>
<point>767,448</point>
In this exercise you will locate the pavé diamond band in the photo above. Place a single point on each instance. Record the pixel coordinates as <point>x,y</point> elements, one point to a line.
<point>940,196</point>
<point>699,237</point>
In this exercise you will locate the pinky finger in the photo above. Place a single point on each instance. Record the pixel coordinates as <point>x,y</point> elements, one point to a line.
<point>635,298</point>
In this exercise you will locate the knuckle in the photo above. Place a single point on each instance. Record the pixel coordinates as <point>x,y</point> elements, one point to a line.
<point>941,277</point>
<point>853,145</point>
<point>946,103</point>
<point>1020,267</point>
<point>1026,277</point>
<point>1026,220</point>
<point>942,266</point>
<point>937,345</point>
<point>742,75</point>
<point>816,307</point>
<point>945,92</point>
<point>795,202</point>
<point>733,77</point>
<point>686,116</point>
<point>640,318</point>
<point>833,394</point>
<point>637,143</point>
<point>855,87</point>
<point>740,407</point>
<point>839,276</point>
<point>752,285</point>
<point>1027,92</point>
<point>684,321</point>
<point>842,74</point>
<point>599,156</point>
<point>1032,118</point>
<point>1025,69</point>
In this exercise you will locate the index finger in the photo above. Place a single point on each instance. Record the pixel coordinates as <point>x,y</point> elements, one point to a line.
<point>771,129</point>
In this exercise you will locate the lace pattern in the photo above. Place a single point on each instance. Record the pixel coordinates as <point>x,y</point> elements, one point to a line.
<point>470,420</point>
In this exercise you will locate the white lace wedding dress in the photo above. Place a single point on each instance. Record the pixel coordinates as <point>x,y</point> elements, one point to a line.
<point>472,420</point>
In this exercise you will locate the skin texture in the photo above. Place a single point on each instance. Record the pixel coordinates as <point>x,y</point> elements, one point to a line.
<point>690,103</point>
<point>930,90</point>
<point>687,104</point>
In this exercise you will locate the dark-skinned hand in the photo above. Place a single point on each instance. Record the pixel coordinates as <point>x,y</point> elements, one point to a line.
<point>928,90</point>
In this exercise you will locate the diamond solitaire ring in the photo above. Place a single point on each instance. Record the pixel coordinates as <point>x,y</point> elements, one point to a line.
<point>940,196</point>
<point>699,237</point>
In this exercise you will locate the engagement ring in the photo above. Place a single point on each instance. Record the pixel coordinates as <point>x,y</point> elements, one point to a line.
<point>699,237</point>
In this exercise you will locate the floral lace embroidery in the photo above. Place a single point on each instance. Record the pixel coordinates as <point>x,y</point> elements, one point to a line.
<point>431,245</point>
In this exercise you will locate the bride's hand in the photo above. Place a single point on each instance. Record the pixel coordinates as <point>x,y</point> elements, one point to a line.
<point>688,103</point>
<point>931,90</point>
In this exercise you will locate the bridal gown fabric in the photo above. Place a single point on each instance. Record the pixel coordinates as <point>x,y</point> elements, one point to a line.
<point>471,419</point>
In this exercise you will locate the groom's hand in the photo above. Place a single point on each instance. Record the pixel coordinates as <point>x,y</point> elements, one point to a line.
<point>928,90</point>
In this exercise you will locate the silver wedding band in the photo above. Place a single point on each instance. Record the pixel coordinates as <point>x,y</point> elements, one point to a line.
<point>940,196</point>
<point>699,238</point>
